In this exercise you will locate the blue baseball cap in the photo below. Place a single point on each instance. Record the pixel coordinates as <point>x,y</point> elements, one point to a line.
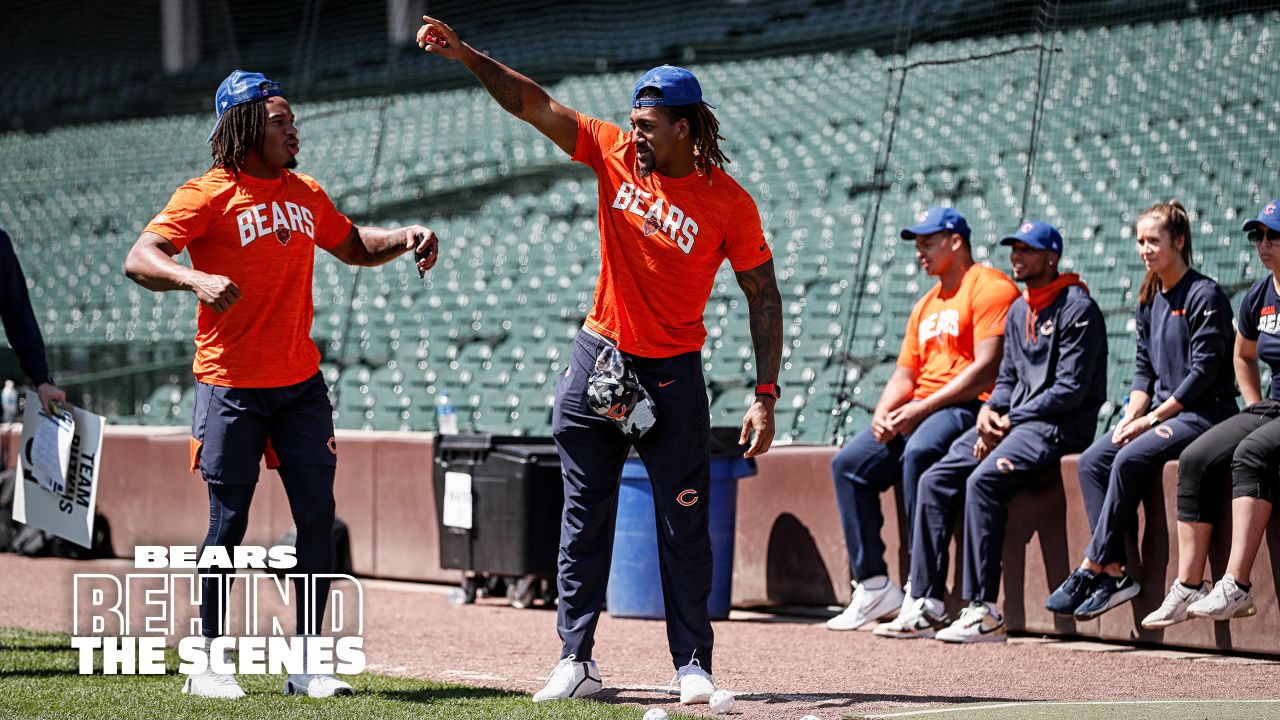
<point>1038,234</point>
<point>1269,217</point>
<point>936,220</point>
<point>678,86</point>
<point>239,88</point>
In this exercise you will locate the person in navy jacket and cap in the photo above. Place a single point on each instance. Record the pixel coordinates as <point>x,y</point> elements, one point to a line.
<point>947,365</point>
<point>1051,382</point>
<point>1182,386</point>
<point>1243,450</point>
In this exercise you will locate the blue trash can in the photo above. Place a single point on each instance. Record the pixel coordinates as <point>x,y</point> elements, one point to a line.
<point>635,583</point>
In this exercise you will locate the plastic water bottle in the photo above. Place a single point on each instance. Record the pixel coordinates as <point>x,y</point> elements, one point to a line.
<point>9,401</point>
<point>446,416</point>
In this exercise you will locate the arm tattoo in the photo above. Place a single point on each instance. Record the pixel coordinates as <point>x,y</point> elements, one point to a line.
<point>375,246</point>
<point>503,83</point>
<point>764,303</point>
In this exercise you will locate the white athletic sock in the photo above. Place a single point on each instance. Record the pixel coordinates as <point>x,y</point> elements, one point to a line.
<point>991,608</point>
<point>875,582</point>
<point>935,606</point>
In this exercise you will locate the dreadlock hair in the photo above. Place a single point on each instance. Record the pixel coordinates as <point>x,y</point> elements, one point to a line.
<point>704,128</point>
<point>1174,220</point>
<point>242,128</point>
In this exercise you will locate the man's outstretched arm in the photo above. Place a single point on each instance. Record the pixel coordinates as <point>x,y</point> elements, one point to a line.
<point>516,93</point>
<point>369,246</point>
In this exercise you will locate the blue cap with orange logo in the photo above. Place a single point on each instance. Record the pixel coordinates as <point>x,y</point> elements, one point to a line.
<point>935,220</point>
<point>1038,234</point>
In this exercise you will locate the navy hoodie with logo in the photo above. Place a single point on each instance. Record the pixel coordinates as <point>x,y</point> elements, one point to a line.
<point>1184,347</point>
<point>1054,368</point>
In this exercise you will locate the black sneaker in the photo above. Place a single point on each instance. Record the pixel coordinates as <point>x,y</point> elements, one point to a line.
<point>1108,592</point>
<point>1073,591</point>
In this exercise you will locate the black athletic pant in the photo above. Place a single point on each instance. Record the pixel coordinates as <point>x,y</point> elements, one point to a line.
<point>310,491</point>
<point>231,430</point>
<point>676,453</point>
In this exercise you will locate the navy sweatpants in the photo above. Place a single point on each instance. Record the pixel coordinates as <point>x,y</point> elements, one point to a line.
<point>984,489</point>
<point>866,467</point>
<point>676,453</point>
<point>1112,479</point>
<point>230,430</point>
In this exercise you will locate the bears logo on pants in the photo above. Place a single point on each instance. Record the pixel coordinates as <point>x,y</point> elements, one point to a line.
<point>687,498</point>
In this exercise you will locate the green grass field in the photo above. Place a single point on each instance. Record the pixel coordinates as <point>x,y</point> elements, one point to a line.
<point>38,679</point>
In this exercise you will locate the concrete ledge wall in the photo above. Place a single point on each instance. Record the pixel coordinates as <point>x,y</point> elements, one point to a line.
<point>789,548</point>
<point>383,491</point>
<point>790,551</point>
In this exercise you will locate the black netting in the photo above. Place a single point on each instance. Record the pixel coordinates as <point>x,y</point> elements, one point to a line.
<point>844,119</point>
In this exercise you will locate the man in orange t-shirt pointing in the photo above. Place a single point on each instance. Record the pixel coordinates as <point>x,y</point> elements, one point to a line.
<point>251,226</point>
<point>669,216</point>
<point>950,354</point>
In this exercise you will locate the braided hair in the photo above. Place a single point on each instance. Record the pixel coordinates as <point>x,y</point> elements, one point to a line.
<point>242,128</point>
<point>703,127</point>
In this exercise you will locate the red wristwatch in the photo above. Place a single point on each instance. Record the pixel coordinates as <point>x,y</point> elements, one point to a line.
<point>773,390</point>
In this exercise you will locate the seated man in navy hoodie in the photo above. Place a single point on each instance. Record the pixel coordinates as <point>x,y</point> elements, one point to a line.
<point>1052,381</point>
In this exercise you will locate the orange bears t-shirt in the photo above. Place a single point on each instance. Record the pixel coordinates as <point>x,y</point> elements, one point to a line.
<point>942,331</point>
<point>662,240</point>
<point>261,234</point>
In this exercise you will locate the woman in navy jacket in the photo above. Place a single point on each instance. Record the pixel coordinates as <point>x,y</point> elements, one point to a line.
<point>1182,386</point>
<point>1243,450</point>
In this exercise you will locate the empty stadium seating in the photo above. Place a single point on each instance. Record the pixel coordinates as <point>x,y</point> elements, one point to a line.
<point>1134,114</point>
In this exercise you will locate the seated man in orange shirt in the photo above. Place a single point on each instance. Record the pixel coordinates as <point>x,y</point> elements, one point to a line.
<point>948,363</point>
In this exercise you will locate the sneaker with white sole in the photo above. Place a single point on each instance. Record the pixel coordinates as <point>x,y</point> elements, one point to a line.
<point>914,621</point>
<point>317,686</point>
<point>868,604</point>
<point>1109,593</point>
<point>1174,608</point>
<point>212,684</point>
<point>696,685</point>
<point>1072,592</point>
<point>1225,601</point>
<point>976,624</point>
<point>570,679</point>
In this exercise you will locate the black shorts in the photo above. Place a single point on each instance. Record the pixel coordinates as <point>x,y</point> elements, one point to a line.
<point>233,428</point>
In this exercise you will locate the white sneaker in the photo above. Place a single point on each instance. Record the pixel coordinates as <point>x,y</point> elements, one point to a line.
<point>914,621</point>
<point>1174,608</point>
<point>976,624</point>
<point>868,605</point>
<point>212,684</point>
<point>1227,600</point>
<point>570,679</point>
<point>696,685</point>
<point>316,686</point>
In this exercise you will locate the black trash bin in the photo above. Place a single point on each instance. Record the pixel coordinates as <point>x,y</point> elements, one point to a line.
<point>516,498</point>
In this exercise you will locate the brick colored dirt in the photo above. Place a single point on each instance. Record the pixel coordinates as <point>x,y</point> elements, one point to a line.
<point>778,667</point>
